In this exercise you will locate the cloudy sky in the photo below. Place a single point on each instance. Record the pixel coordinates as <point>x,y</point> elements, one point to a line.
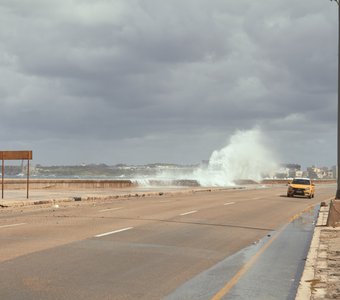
<point>144,81</point>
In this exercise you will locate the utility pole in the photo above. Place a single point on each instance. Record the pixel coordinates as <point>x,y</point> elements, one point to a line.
<point>337,196</point>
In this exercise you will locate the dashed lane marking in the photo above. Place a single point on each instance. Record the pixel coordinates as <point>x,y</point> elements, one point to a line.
<point>12,225</point>
<point>108,209</point>
<point>229,203</point>
<point>189,212</point>
<point>113,232</point>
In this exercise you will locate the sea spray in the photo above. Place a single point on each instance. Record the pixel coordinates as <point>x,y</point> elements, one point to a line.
<point>245,157</point>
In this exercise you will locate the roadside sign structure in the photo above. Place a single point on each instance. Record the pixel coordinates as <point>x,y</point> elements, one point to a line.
<point>15,155</point>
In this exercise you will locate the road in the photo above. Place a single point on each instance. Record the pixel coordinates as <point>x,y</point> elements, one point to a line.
<point>138,247</point>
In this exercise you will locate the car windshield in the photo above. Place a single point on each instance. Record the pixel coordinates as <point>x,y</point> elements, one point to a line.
<point>301,181</point>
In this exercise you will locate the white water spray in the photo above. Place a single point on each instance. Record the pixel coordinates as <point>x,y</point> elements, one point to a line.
<point>246,157</point>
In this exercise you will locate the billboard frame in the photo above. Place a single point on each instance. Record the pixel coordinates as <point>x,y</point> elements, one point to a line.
<point>15,155</point>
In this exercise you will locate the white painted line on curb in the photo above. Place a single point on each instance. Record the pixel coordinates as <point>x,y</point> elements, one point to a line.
<point>189,212</point>
<point>108,209</point>
<point>113,232</point>
<point>229,203</point>
<point>12,225</point>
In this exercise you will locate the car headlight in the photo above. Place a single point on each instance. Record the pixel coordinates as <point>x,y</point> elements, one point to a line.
<point>307,189</point>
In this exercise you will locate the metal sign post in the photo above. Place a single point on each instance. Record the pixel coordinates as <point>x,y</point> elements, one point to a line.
<point>2,174</point>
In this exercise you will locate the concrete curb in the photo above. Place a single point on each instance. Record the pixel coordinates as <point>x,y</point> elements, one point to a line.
<point>307,280</point>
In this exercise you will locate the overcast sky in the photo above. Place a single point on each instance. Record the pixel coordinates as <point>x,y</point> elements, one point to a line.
<point>144,81</point>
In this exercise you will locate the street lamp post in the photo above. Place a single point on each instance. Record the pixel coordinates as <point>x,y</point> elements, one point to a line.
<point>337,196</point>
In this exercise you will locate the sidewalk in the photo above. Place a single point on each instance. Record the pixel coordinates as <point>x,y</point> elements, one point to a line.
<point>321,276</point>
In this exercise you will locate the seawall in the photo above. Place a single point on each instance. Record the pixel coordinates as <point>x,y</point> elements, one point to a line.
<point>47,183</point>
<point>16,184</point>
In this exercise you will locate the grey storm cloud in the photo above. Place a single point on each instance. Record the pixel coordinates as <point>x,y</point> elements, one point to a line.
<point>147,80</point>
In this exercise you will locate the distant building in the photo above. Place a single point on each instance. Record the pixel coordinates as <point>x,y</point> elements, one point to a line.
<point>299,173</point>
<point>282,173</point>
<point>312,172</point>
<point>288,171</point>
<point>334,172</point>
<point>320,173</point>
<point>294,170</point>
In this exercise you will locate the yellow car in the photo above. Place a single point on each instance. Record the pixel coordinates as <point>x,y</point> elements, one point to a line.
<point>301,187</point>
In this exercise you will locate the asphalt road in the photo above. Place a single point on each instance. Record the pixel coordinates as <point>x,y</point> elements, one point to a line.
<point>135,248</point>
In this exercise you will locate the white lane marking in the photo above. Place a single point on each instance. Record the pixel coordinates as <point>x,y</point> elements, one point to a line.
<point>257,198</point>
<point>113,232</point>
<point>188,213</point>
<point>229,203</point>
<point>108,209</point>
<point>12,225</point>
